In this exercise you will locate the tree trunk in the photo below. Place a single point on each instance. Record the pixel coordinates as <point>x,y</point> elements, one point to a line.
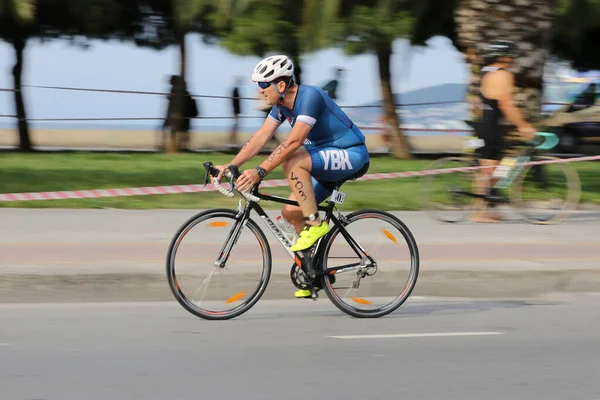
<point>400,145</point>
<point>24,139</point>
<point>295,56</point>
<point>177,113</point>
<point>527,23</point>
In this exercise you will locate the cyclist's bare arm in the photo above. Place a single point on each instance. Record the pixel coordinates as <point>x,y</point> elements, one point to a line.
<point>294,140</point>
<point>253,145</point>
<point>504,85</point>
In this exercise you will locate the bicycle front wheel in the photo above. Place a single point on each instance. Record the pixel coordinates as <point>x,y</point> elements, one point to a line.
<point>375,285</point>
<point>546,193</point>
<point>448,197</point>
<point>218,266</point>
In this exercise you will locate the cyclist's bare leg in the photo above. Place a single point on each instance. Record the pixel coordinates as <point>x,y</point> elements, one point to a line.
<point>483,180</point>
<point>297,170</point>
<point>293,214</point>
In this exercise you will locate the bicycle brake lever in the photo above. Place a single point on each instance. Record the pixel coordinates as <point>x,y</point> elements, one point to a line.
<point>207,167</point>
<point>235,173</point>
<point>210,170</point>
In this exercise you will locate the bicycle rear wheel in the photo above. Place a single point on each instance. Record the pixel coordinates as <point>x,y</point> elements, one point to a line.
<point>206,284</point>
<point>448,197</point>
<point>546,193</point>
<point>366,289</point>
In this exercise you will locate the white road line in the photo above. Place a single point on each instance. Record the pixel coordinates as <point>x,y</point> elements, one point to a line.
<point>5,344</point>
<point>416,335</point>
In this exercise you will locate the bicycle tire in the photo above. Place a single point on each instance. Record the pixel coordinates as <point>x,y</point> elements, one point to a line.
<point>573,193</point>
<point>403,296</point>
<point>428,183</point>
<point>172,278</point>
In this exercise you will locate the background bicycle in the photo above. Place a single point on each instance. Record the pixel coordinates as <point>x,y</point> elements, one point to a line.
<point>542,193</point>
<point>219,262</point>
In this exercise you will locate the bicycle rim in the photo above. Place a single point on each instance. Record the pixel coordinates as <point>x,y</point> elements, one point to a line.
<point>382,289</point>
<point>447,196</point>
<point>204,287</point>
<point>546,193</point>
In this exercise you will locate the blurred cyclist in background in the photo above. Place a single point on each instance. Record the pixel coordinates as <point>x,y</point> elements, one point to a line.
<point>496,94</point>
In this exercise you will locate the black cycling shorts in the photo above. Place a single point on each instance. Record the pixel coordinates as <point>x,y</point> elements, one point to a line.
<point>490,151</point>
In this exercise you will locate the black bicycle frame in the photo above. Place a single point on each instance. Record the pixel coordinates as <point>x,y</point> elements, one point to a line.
<point>528,152</point>
<point>303,258</point>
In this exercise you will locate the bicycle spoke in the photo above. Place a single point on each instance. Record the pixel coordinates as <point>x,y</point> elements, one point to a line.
<point>205,286</point>
<point>449,196</point>
<point>375,287</point>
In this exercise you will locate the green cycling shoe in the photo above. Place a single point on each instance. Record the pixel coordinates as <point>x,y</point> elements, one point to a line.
<point>309,236</point>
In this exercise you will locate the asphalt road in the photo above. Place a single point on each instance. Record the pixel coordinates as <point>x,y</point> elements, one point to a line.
<point>432,348</point>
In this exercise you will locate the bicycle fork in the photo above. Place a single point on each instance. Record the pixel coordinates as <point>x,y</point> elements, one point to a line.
<point>233,237</point>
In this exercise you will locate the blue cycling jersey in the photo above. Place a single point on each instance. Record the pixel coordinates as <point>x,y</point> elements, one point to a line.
<point>331,127</point>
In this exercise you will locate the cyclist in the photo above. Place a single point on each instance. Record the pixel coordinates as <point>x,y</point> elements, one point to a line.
<point>496,93</point>
<point>334,148</point>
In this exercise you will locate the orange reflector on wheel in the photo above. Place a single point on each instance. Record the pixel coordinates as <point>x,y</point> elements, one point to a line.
<point>218,224</point>
<point>390,236</point>
<point>235,298</point>
<point>361,301</point>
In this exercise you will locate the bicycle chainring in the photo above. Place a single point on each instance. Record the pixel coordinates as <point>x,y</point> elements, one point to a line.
<point>298,277</point>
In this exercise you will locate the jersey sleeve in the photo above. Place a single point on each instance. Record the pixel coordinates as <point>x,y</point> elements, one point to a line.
<point>311,108</point>
<point>276,116</point>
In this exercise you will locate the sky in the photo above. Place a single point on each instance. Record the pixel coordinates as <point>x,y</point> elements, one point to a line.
<point>211,70</point>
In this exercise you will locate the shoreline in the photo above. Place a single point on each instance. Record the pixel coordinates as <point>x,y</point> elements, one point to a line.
<point>150,140</point>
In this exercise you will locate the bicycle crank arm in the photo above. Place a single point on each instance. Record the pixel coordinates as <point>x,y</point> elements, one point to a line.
<point>307,263</point>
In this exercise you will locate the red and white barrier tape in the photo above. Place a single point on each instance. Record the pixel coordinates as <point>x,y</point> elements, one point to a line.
<point>141,191</point>
<point>406,174</point>
<point>176,189</point>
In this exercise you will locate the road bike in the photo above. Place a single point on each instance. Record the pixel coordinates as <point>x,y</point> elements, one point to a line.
<point>541,189</point>
<point>219,262</point>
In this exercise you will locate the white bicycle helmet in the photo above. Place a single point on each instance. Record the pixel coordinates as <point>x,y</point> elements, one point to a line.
<point>273,67</point>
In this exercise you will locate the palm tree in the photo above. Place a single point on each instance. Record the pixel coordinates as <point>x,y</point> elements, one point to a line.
<point>366,26</point>
<point>250,34</point>
<point>16,17</point>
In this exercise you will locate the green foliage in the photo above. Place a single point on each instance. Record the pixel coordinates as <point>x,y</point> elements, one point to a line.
<point>16,16</point>
<point>322,22</point>
<point>267,25</point>
<point>433,18</point>
<point>186,12</point>
<point>575,33</point>
<point>20,10</point>
<point>100,19</point>
<point>358,26</point>
<point>151,23</point>
<point>369,28</point>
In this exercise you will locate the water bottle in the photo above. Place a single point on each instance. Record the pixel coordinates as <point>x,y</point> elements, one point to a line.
<point>287,229</point>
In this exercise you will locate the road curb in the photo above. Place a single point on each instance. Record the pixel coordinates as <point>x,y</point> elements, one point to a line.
<point>148,286</point>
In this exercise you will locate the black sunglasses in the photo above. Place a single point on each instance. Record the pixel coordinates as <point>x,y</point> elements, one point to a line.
<point>264,85</point>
